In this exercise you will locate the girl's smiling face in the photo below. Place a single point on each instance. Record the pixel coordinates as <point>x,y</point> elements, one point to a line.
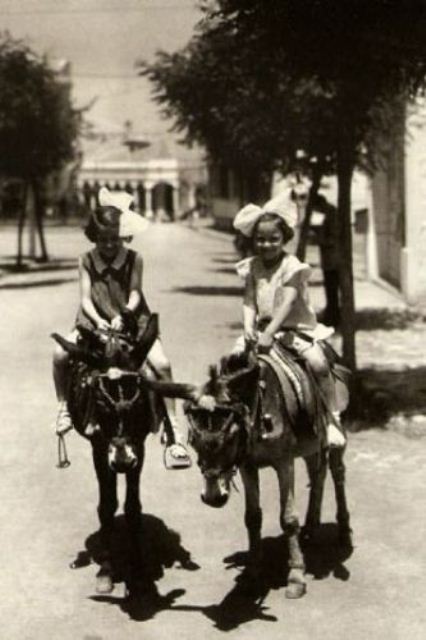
<point>108,243</point>
<point>268,241</point>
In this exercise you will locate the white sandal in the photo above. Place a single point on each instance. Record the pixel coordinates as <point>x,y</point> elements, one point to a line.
<point>63,420</point>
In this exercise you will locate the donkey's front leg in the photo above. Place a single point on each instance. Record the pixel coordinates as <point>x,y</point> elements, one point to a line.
<point>253,517</point>
<point>107,482</point>
<point>132,504</point>
<point>296,585</point>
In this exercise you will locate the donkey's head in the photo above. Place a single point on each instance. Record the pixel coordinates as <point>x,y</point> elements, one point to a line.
<point>218,429</point>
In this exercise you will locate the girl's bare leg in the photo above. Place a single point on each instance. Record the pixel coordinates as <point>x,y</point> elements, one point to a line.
<point>318,362</point>
<point>60,379</point>
<point>173,436</point>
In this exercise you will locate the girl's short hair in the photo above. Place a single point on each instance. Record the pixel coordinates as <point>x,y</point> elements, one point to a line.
<point>282,225</point>
<point>103,219</point>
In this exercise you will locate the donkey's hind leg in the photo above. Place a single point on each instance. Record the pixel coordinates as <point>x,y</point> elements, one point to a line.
<point>317,470</point>
<point>338,472</point>
<point>296,584</point>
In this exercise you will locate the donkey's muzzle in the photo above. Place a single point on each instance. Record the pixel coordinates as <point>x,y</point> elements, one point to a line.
<point>216,502</point>
<point>216,493</point>
<point>121,457</point>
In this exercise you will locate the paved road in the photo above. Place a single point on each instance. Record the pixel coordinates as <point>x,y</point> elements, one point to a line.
<point>48,516</point>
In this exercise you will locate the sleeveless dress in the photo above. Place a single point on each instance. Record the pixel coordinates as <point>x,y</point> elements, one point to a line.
<point>110,287</point>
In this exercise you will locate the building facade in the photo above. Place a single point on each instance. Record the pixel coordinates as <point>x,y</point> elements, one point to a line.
<point>399,207</point>
<point>162,177</point>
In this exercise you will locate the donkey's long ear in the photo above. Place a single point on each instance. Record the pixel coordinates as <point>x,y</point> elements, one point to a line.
<point>76,352</point>
<point>91,338</point>
<point>243,383</point>
<point>146,339</point>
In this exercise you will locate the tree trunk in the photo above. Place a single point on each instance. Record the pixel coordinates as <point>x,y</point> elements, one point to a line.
<point>31,217</point>
<point>306,223</point>
<point>21,224</point>
<point>345,168</point>
<point>39,216</point>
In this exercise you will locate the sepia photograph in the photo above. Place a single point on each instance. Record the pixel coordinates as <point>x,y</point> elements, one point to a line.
<point>213,336</point>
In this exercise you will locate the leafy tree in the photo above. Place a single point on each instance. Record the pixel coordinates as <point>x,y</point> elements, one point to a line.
<point>262,79</point>
<point>38,126</point>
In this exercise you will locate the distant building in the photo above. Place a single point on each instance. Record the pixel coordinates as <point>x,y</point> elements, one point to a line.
<point>162,175</point>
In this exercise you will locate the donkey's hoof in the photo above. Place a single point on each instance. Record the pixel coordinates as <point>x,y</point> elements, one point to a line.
<point>295,590</point>
<point>104,584</point>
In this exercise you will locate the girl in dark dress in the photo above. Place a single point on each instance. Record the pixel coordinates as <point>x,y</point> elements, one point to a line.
<point>111,280</point>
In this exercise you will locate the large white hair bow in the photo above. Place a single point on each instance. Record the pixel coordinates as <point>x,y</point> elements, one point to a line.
<point>282,205</point>
<point>131,223</point>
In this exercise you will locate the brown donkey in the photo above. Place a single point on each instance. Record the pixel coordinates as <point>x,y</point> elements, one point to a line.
<point>244,422</point>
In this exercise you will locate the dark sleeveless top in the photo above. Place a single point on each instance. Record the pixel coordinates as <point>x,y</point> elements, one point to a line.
<point>110,287</point>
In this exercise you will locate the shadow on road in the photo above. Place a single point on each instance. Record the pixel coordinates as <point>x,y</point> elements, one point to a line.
<point>209,291</point>
<point>31,284</point>
<point>226,270</point>
<point>54,264</point>
<point>160,549</point>
<point>245,602</point>
<point>324,556</point>
<point>225,259</point>
<point>386,319</point>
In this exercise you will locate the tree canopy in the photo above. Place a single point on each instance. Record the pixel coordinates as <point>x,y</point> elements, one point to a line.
<point>37,124</point>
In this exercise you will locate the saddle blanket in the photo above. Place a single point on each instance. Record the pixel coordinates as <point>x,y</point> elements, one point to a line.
<point>298,389</point>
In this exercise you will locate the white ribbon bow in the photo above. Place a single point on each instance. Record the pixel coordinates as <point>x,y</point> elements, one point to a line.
<point>282,205</point>
<point>131,223</point>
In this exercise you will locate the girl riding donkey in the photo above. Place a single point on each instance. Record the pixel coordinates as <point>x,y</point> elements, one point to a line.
<point>276,304</point>
<point>111,289</point>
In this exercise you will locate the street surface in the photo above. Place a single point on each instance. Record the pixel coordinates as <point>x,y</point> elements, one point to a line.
<point>48,516</point>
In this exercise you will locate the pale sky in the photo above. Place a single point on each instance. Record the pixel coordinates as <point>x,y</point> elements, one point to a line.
<point>102,39</point>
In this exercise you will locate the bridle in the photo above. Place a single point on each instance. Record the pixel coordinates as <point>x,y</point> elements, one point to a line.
<point>238,413</point>
<point>120,406</point>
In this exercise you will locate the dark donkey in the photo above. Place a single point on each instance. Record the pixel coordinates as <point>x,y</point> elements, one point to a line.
<point>111,403</point>
<point>244,422</point>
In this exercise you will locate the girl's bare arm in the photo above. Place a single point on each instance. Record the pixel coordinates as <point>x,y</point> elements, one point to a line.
<point>289,295</point>
<point>249,310</point>
<point>85,295</point>
<point>135,296</point>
